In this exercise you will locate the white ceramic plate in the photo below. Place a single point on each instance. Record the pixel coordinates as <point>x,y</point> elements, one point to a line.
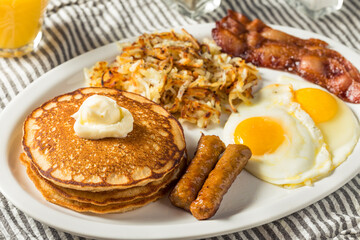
<point>249,202</point>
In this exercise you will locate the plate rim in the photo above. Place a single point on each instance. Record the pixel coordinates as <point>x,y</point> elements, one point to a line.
<point>150,232</point>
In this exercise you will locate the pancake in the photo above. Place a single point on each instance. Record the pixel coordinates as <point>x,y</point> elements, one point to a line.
<point>152,150</point>
<point>47,190</point>
<point>112,196</point>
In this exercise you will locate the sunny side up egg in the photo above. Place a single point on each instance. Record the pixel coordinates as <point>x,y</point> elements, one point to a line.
<point>332,116</point>
<point>288,147</point>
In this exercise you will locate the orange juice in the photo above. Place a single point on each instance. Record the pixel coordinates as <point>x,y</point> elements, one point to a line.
<point>20,22</point>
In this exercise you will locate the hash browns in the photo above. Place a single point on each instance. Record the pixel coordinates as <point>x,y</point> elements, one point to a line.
<point>194,81</point>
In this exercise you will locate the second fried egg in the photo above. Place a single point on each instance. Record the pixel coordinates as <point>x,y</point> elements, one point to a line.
<point>331,115</point>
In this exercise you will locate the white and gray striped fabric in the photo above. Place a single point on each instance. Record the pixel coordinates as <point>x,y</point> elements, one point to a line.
<point>73,27</point>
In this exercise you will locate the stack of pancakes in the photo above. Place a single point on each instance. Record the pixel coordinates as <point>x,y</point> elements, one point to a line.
<point>105,175</point>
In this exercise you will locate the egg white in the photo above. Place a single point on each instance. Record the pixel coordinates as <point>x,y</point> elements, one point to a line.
<point>302,158</point>
<point>340,133</point>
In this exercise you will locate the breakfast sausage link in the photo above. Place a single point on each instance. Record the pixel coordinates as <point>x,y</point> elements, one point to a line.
<point>208,151</point>
<point>219,181</point>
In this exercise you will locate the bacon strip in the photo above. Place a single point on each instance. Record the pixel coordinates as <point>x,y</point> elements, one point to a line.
<point>263,46</point>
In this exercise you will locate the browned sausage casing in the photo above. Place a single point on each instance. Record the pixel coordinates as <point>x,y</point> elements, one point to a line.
<point>208,151</point>
<point>219,181</point>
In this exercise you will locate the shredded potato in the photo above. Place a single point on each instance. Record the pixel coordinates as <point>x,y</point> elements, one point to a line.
<point>194,81</point>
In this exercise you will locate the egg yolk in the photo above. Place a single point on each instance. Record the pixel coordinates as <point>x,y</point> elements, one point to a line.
<point>261,134</point>
<point>320,105</point>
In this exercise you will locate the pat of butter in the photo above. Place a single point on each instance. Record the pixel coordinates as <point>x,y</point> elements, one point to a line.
<point>101,117</point>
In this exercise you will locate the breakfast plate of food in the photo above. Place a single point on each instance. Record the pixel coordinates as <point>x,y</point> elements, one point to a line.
<point>169,136</point>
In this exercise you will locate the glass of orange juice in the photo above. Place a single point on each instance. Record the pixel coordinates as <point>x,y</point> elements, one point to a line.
<point>20,26</point>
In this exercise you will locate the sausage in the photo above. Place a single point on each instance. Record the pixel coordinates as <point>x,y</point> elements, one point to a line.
<point>207,154</point>
<point>219,181</point>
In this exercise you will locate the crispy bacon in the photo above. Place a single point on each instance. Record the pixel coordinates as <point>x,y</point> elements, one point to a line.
<point>263,46</point>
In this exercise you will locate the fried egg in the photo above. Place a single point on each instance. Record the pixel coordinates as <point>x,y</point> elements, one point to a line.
<point>331,115</point>
<point>288,148</point>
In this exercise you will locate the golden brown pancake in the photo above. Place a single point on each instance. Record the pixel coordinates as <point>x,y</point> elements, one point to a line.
<point>152,150</point>
<point>107,197</point>
<point>51,195</point>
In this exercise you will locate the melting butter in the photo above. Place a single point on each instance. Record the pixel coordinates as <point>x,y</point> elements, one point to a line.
<point>101,117</point>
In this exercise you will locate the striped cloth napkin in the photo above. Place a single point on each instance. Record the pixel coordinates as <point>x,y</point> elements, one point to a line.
<point>73,27</point>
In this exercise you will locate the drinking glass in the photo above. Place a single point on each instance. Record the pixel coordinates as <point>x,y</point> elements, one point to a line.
<point>20,26</point>
<point>195,8</point>
<point>316,8</point>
